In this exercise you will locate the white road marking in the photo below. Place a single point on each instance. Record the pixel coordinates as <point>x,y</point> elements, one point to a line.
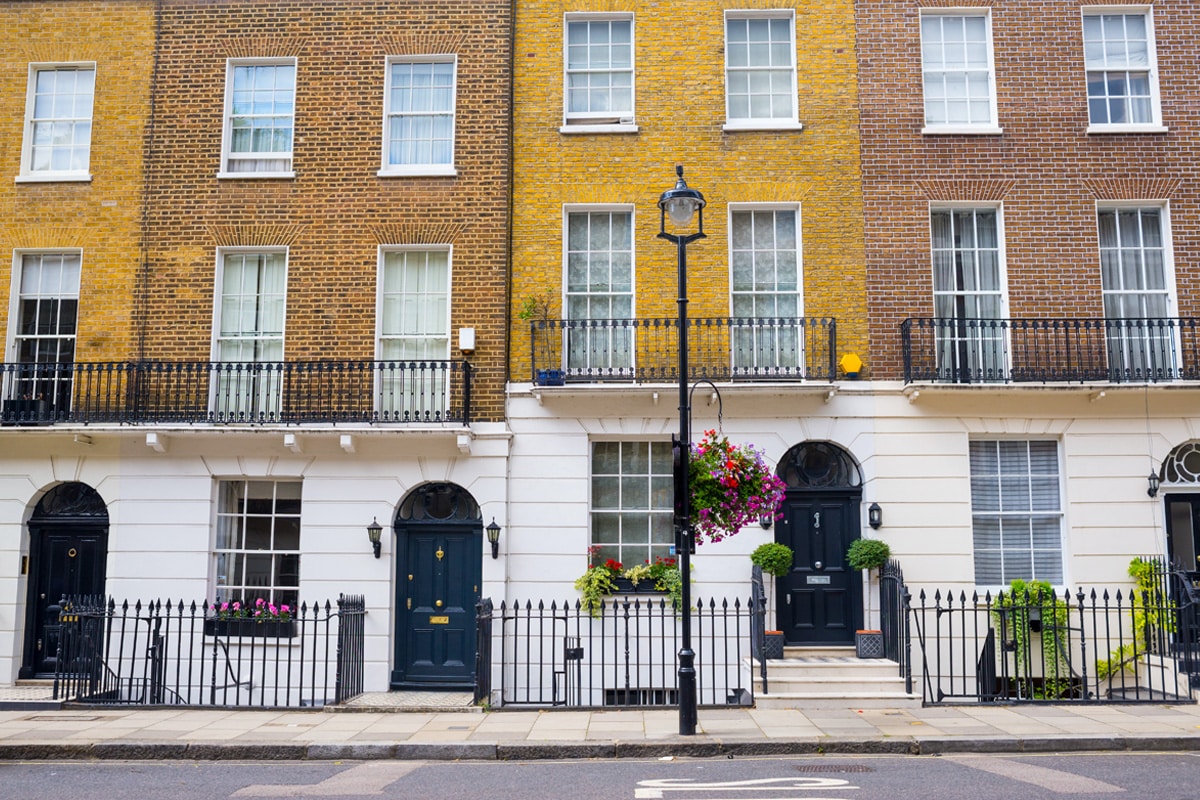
<point>654,789</point>
<point>1053,779</point>
<point>369,778</point>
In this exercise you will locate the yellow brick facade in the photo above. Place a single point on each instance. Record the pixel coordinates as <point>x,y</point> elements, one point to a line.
<point>100,218</point>
<point>679,104</point>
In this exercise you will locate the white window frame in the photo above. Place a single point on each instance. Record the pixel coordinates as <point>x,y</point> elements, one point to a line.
<point>664,512</point>
<point>592,122</point>
<point>1002,277</point>
<point>220,513</point>
<point>1156,124</point>
<point>755,123</point>
<point>11,381</point>
<point>27,173</point>
<point>253,391</point>
<point>611,333</point>
<point>1060,513</point>
<point>227,122</point>
<point>769,338</point>
<point>992,128</point>
<point>1152,340</point>
<point>418,169</point>
<point>394,393</point>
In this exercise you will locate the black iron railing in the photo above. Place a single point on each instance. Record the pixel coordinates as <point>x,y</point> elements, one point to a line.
<point>174,654</point>
<point>646,350</point>
<point>893,619</point>
<point>282,392</point>
<point>758,623</point>
<point>559,655</point>
<point>944,350</point>
<point>1035,646</point>
<point>483,651</point>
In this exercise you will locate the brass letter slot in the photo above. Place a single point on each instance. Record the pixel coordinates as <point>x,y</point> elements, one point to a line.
<point>439,620</point>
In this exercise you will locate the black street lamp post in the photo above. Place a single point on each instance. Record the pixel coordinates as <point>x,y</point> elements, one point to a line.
<point>681,204</point>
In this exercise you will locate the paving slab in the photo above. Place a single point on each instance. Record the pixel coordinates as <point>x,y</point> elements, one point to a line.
<point>411,727</point>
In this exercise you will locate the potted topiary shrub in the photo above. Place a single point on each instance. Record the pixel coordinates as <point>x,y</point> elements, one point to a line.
<point>868,554</point>
<point>773,559</point>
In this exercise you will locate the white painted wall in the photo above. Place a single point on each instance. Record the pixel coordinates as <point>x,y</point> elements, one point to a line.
<point>532,476</point>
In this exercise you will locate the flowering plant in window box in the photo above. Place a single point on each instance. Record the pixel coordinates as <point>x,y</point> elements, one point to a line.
<point>260,618</point>
<point>731,487</point>
<point>601,580</point>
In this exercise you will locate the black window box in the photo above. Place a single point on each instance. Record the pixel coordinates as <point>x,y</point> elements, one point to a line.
<point>266,629</point>
<point>644,586</point>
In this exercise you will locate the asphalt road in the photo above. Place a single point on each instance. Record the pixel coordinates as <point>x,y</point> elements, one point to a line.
<point>1150,776</point>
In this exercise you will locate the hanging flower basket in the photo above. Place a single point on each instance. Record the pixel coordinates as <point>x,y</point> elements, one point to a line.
<point>731,487</point>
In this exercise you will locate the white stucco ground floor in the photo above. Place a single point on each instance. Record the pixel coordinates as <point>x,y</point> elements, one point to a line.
<point>975,486</point>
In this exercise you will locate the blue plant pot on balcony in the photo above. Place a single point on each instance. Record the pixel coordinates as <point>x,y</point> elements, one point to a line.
<point>550,377</point>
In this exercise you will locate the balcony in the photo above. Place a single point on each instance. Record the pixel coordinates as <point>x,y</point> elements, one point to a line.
<point>647,350</point>
<point>1050,350</point>
<point>266,393</point>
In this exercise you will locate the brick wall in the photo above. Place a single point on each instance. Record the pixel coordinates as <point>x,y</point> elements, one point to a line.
<point>335,213</point>
<point>101,217</point>
<point>1047,172</point>
<point>680,111</point>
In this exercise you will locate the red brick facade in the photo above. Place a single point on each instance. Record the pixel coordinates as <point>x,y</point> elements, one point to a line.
<point>1045,170</point>
<point>335,212</point>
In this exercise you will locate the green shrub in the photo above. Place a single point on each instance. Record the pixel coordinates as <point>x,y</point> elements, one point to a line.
<point>868,554</point>
<point>774,558</point>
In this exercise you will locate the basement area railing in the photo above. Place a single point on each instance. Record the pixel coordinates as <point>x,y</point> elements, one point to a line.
<point>278,392</point>
<point>551,654</point>
<point>182,654</point>
<point>1028,646</point>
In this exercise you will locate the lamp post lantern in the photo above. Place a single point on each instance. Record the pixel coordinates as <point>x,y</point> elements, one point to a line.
<point>681,204</point>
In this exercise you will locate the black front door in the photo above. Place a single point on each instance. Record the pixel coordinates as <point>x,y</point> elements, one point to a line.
<point>820,601</point>
<point>437,586</point>
<point>65,560</point>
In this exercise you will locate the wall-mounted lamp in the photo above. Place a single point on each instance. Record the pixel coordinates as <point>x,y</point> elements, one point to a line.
<point>766,520</point>
<point>374,532</point>
<point>1153,482</point>
<point>875,516</point>
<point>493,532</point>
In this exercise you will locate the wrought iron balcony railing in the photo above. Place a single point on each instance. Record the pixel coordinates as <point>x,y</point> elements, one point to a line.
<point>647,350</point>
<point>1051,350</point>
<point>280,393</point>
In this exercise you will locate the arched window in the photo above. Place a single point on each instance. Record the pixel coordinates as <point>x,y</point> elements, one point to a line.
<point>1182,465</point>
<point>71,500</point>
<point>438,502</point>
<point>819,465</point>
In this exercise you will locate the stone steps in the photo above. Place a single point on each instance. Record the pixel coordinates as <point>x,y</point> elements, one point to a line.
<point>831,677</point>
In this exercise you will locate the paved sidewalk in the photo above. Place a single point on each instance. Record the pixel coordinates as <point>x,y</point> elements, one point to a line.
<point>199,734</point>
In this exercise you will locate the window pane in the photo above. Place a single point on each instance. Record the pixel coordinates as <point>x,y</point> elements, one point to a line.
<point>633,479</point>
<point>60,129</point>
<point>1010,541</point>
<point>265,562</point>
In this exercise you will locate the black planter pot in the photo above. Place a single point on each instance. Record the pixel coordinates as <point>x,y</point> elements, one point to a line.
<point>644,586</point>
<point>268,629</point>
<point>868,644</point>
<point>772,644</point>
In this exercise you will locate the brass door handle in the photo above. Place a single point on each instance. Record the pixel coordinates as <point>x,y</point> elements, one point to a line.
<point>438,603</point>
